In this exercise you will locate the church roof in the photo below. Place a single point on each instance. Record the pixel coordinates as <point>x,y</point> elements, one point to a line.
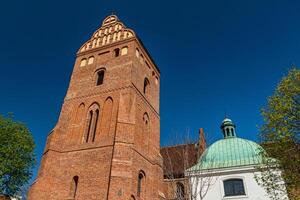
<point>230,151</point>
<point>176,159</point>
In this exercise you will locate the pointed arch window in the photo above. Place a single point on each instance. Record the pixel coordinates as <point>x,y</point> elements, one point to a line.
<point>90,119</point>
<point>146,86</point>
<point>74,186</point>
<point>141,184</point>
<point>95,126</point>
<point>79,113</point>
<point>92,123</point>
<point>132,197</point>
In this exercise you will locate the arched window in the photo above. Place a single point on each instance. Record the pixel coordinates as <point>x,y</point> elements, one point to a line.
<point>100,77</point>
<point>108,39</point>
<point>117,52</point>
<point>146,86</point>
<point>227,132</point>
<point>104,40</point>
<point>114,37</point>
<point>91,60</point>
<point>105,124</point>
<point>137,53</point>
<point>92,122</point>
<point>141,58</point>
<point>95,125</point>
<point>156,80</point>
<point>234,187</point>
<point>146,119</point>
<point>79,113</point>
<point>90,119</point>
<point>145,123</point>
<point>124,51</point>
<point>141,184</point>
<point>83,62</point>
<point>224,134</point>
<point>74,186</point>
<point>179,191</point>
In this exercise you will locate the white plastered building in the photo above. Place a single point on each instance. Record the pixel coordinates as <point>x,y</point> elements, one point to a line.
<point>227,170</point>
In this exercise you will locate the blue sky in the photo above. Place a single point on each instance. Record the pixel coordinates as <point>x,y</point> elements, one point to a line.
<point>215,57</point>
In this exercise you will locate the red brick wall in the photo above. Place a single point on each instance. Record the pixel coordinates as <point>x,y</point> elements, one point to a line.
<point>107,168</point>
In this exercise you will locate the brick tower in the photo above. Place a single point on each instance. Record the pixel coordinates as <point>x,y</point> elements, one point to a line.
<point>106,143</point>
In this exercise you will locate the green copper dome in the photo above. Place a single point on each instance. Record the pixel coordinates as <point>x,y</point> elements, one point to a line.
<point>230,151</point>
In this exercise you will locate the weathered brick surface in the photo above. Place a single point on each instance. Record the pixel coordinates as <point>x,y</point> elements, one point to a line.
<point>127,131</point>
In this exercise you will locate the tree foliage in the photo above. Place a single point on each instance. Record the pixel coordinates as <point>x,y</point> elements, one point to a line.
<point>16,156</point>
<point>280,135</point>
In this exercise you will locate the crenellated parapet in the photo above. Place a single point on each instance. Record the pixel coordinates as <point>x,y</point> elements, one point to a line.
<point>111,31</point>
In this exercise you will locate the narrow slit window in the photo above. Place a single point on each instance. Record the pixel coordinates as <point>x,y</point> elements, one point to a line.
<point>227,132</point>
<point>146,86</point>
<point>141,182</point>
<point>95,125</point>
<point>89,126</point>
<point>74,186</point>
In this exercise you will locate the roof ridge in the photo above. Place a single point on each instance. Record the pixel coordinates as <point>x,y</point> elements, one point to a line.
<point>176,145</point>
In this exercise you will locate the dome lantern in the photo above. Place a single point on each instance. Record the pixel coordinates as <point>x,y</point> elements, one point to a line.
<point>228,128</point>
